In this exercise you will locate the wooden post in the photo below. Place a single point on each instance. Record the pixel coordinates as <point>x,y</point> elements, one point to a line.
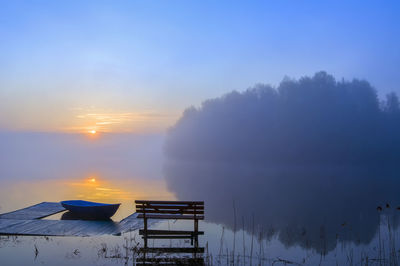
<point>145,228</point>
<point>196,231</point>
<point>145,233</point>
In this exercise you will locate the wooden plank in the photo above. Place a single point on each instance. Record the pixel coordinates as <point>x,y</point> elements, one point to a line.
<point>172,217</point>
<point>169,211</point>
<point>132,223</point>
<point>171,250</point>
<point>58,227</point>
<point>169,237</point>
<point>37,211</point>
<point>169,207</point>
<point>170,232</point>
<point>29,227</point>
<point>190,261</point>
<point>167,263</point>
<point>168,202</point>
<point>4,223</point>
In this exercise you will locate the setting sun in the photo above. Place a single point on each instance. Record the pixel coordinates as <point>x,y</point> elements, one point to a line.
<point>92,131</point>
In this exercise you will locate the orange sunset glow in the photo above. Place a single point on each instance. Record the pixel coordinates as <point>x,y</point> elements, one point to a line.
<point>92,188</point>
<point>93,120</point>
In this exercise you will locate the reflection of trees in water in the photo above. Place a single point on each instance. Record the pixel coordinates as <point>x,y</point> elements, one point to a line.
<point>314,207</point>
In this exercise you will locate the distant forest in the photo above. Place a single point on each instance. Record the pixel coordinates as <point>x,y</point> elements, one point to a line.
<point>311,120</point>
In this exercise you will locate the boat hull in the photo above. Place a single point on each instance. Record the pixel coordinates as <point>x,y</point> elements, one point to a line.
<point>90,210</point>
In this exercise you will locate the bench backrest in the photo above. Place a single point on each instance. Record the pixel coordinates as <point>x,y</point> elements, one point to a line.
<point>193,210</point>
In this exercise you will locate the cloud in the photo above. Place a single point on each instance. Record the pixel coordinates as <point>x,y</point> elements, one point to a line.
<point>105,120</point>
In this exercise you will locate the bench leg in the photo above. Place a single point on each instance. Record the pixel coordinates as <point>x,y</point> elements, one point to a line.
<point>196,236</point>
<point>196,231</point>
<point>145,238</point>
<point>145,233</point>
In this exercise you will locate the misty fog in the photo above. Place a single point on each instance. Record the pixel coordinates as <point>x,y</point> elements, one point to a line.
<point>313,120</point>
<point>25,155</point>
<point>311,159</point>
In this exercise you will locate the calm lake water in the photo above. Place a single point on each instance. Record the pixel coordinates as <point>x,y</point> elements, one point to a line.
<point>351,232</point>
<point>255,214</point>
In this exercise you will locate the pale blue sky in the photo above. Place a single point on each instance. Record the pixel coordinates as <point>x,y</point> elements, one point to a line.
<point>135,65</point>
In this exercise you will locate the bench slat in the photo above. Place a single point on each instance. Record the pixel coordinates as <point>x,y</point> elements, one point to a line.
<point>177,260</point>
<point>172,217</point>
<point>171,250</point>
<point>170,212</point>
<point>168,202</point>
<point>170,232</point>
<point>169,207</point>
<point>169,237</point>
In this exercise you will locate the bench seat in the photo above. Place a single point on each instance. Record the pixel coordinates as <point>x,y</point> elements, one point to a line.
<point>169,232</point>
<point>171,216</point>
<point>172,250</point>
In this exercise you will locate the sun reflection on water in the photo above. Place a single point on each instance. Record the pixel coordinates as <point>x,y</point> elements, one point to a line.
<point>93,187</point>
<point>99,189</point>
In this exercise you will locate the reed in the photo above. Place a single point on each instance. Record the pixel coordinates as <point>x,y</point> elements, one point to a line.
<point>384,252</point>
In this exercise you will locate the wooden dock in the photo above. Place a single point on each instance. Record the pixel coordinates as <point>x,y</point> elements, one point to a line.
<point>37,211</point>
<point>29,221</point>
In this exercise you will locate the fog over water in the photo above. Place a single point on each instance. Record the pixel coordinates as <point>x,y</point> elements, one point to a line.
<point>56,155</point>
<point>311,159</point>
<point>110,168</point>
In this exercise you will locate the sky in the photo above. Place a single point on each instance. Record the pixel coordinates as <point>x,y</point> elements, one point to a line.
<point>134,66</point>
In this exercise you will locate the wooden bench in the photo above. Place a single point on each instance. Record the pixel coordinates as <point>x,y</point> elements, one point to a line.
<point>176,210</point>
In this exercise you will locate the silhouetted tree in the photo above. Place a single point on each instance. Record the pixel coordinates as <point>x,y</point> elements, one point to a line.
<point>392,103</point>
<point>310,120</point>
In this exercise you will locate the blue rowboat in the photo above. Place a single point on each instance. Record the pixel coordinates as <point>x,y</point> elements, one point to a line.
<point>88,209</point>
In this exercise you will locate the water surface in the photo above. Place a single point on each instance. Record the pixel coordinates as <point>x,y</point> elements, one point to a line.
<point>255,213</point>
